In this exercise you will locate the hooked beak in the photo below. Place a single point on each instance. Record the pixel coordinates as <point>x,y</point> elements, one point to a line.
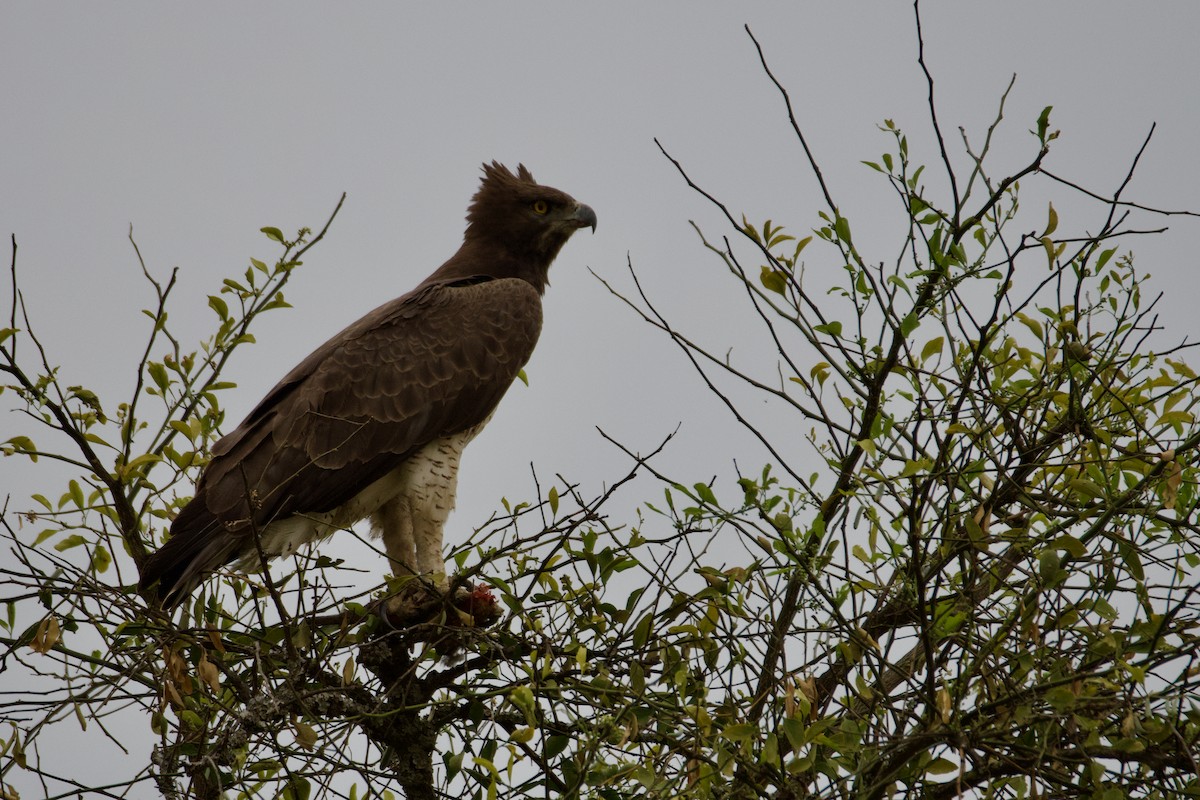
<point>584,217</point>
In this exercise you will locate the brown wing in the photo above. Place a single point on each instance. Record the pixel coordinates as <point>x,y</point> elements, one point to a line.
<point>429,364</point>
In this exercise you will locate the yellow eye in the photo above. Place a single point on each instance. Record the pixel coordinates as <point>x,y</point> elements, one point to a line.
<point>540,206</point>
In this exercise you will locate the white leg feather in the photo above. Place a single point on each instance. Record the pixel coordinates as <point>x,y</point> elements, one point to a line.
<point>393,522</point>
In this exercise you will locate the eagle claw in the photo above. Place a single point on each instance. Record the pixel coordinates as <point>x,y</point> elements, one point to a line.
<point>418,603</point>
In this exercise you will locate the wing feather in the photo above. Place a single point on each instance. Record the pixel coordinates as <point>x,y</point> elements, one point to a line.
<point>435,364</point>
<point>430,364</point>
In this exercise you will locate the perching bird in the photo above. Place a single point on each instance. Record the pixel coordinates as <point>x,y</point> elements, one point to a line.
<point>372,424</point>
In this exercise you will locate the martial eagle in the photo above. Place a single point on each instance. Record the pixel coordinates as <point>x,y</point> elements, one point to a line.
<point>373,423</point>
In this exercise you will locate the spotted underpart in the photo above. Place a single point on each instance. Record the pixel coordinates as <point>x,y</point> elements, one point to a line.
<point>411,523</point>
<point>408,508</point>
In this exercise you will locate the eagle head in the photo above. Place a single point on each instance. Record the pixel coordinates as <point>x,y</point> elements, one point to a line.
<point>526,221</point>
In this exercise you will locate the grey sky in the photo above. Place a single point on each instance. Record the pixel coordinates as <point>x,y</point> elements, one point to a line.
<point>199,124</point>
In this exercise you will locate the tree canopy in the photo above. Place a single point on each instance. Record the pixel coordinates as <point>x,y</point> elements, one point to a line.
<point>974,578</point>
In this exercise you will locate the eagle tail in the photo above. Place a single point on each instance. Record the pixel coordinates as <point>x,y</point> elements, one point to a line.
<point>198,545</point>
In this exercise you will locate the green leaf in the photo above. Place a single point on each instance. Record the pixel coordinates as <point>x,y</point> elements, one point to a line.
<point>273,233</point>
<point>190,429</point>
<point>453,762</point>
<point>915,178</point>
<point>218,305</point>
<point>297,789</point>
<point>556,744</point>
<point>841,227</point>
<point>1051,250</point>
<point>1043,123</point>
<point>1175,418</point>
<point>1061,698</point>
<point>94,439</point>
<point>553,498</point>
<point>794,730</point>
<point>975,532</point>
<point>1031,323</point>
<point>1049,565</point>
<point>932,348</point>
<point>522,698</point>
<point>306,735</point>
<point>521,735</point>
<point>1071,545</point>
<point>23,444</point>
<point>941,766</point>
<point>143,460</point>
<point>158,373</point>
<point>277,302</point>
<point>76,492</point>
<point>833,328</point>
<point>1129,746</point>
<point>1051,222</point>
<point>101,558</point>
<point>1182,368</point>
<point>1133,561</point>
<point>74,540</point>
<point>750,230</point>
<point>741,732</point>
<point>641,634</point>
<point>774,280</point>
<point>820,372</point>
<point>1086,488</point>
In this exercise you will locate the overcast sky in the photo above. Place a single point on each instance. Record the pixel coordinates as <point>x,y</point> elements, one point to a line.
<point>198,124</point>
